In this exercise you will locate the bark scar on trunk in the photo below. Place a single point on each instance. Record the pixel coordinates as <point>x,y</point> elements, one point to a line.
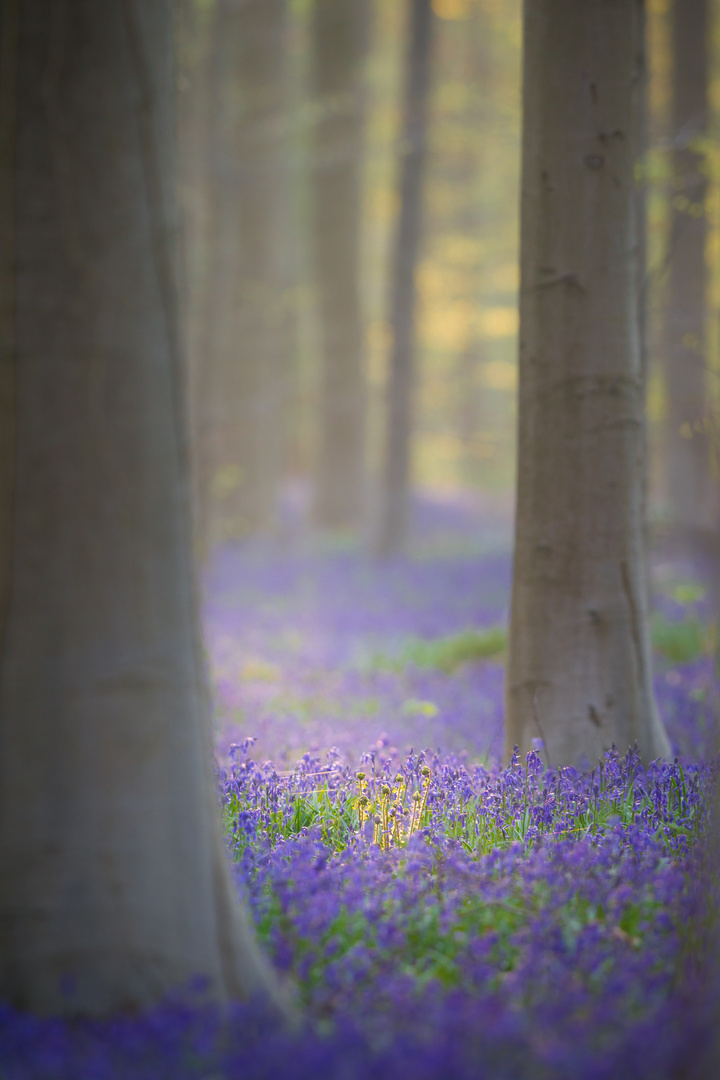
<point>562,279</point>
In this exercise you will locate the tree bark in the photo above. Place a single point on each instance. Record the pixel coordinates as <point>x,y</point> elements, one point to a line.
<point>194,25</point>
<point>8,111</point>
<point>579,670</point>
<point>114,886</point>
<point>395,502</point>
<point>691,489</point>
<point>339,39</point>
<point>244,359</point>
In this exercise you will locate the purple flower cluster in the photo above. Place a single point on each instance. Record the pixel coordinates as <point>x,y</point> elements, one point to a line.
<point>438,916</point>
<point>538,924</point>
<point>511,874</point>
<point>482,811</point>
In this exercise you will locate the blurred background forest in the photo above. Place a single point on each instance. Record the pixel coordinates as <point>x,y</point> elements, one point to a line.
<point>295,159</point>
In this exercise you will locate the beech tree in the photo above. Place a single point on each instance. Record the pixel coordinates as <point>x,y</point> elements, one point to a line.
<point>579,665</point>
<point>692,490</point>
<point>396,476</point>
<point>114,886</point>
<point>339,41</point>
<point>194,27</point>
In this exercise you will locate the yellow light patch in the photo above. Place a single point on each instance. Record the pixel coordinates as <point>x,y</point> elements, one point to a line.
<point>226,479</point>
<point>506,277</point>
<point>451,9</point>
<point>260,671</point>
<point>656,398</point>
<point>416,707</point>
<point>447,325</point>
<point>500,375</point>
<point>499,322</point>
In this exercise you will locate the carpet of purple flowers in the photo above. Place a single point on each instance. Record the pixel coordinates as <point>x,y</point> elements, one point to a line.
<point>437,915</point>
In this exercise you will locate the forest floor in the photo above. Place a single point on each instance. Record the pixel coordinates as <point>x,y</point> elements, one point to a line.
<point>313,646</point>
<point>435,914</point>
<point>546,921</point>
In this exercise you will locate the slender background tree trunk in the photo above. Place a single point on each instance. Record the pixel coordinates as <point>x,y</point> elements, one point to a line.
<point>114,886</point>
<point>8,120</point>
<point>643,279</point>
<point>396,478</point>
<point>339,45</point>
<point>579,668</point>
<point>246,345</point>
<point>691,490</point>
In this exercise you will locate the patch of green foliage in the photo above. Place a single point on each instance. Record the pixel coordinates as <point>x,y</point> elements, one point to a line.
<point>679,641</point>
<point>336,818</point>
<point>687,592</point>
<point>479,834</point>
<point>686,639</point>
<point>683,641</point>
<point>445,653</point>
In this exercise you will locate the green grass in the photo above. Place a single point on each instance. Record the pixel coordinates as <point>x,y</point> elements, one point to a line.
<point>434,937</point>
<point>682,642</point>
<point>446,653</point>
<point>338,815</point>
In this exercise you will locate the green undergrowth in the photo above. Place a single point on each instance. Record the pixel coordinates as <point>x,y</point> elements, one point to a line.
<point>339,816</point>
<point>424,934</point>
<point>678,641</point>
<point>445,653</point>
<point>682,642</point>
<point>442,876</point>
<point>688,638</point>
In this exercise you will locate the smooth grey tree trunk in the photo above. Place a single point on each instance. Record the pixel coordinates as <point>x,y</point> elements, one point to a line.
<point>579,666</point>
<point>395,497</point>
<point>114,885</point>
<point>193,30</point>
<point>692,491</point>
<point>339,45</point>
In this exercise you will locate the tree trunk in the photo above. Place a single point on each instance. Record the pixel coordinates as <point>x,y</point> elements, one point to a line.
<point>194,25</point>
<point>691,491</point>
<point>339,33</point>
<point>243,366</point>
<point>579,671</point>
<point>114,886</point>
<point>395,506</point>
<point>641,225</point>
<point>8,109</point>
